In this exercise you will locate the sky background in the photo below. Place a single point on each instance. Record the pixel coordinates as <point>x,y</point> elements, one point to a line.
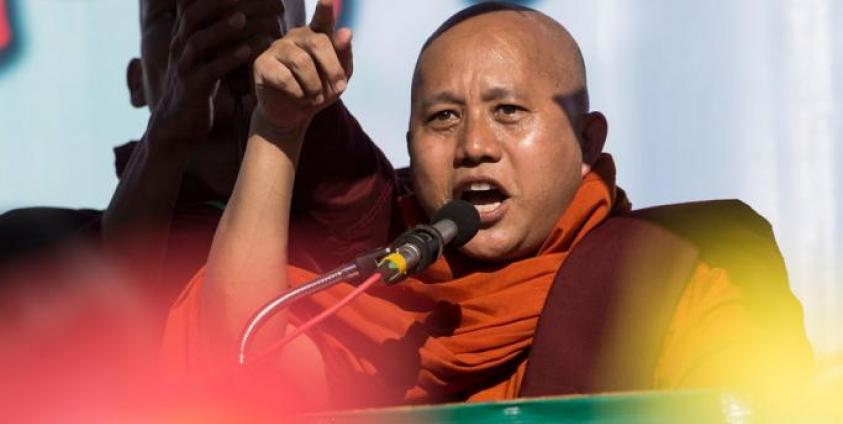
<point>705,99</point>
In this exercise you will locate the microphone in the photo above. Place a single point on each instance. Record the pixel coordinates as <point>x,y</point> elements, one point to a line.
<point>455,223</point>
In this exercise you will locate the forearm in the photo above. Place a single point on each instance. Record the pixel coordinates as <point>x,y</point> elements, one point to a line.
<point>247,262</point>
<point>136,223</point>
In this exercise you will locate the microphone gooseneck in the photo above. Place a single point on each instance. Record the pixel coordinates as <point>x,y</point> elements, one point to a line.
<point>455,224</point>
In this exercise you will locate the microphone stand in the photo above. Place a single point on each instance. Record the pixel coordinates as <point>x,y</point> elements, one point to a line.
<point>362,266</point>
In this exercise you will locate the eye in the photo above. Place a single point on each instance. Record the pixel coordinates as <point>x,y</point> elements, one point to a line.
<point>442,116</point>
<point>508,109</point>
<point>509,112</point>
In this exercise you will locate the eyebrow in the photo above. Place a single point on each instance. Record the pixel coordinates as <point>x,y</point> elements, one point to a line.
<point>441,97</point>
<point>494,93</point>
<point>497,93</point>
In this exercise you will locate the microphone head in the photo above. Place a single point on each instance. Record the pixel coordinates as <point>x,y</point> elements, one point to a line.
<point>464,215</point>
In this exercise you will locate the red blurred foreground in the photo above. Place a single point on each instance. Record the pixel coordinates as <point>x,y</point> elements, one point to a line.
<point>80,343</point>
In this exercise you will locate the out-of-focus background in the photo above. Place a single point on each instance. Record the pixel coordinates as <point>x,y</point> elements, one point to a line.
<point>706,99</point>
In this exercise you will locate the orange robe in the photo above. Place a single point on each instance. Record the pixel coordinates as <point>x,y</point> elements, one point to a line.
<point>461,330</point>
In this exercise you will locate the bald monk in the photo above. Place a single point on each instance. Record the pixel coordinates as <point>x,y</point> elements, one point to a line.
<point>500,118</point>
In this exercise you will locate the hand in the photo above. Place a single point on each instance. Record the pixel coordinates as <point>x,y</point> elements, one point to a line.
<point>303,72</point>
<point>211,38</point>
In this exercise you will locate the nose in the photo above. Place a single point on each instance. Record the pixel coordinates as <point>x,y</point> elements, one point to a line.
<point>477,143</point>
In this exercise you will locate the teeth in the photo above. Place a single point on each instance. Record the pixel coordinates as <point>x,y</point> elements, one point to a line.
<point>487,207</point>
<point>480,186</point>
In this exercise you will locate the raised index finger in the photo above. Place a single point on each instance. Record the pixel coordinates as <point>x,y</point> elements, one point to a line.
<point>323,17</point>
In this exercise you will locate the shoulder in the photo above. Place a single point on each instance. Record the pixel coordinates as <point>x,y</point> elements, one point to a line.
<point>647,297</point>
<point>737,305</point>
<point>728,235</point>
<point>708,221</point>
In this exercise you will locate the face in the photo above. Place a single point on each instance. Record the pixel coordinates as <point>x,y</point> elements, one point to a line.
<point>485,127</point>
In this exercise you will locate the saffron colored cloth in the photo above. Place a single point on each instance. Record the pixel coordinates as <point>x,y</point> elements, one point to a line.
<point>460,331</point>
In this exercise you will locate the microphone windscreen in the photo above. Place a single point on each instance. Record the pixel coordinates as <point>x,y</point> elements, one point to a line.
<point>462,213</point>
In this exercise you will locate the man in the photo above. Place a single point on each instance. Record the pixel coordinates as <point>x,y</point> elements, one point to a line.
<point>198,127</point>
<point>500,118</point>
<point>187,48</point>
<point>176,179</point>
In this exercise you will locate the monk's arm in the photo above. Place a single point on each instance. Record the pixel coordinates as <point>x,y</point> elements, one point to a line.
<point>247,261</point>
<point>299,75</point>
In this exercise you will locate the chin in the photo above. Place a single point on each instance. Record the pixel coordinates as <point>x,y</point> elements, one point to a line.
<point>488,248</point>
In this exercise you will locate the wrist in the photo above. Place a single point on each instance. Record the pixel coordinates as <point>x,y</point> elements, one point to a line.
<point>166,140</point>
<point>274,133</point>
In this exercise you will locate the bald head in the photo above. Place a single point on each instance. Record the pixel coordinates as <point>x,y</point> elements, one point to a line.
<point>499,19</point>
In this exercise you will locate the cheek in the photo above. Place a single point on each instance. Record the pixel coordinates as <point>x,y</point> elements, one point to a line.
<point>431,171</point>
<point>548,171</point>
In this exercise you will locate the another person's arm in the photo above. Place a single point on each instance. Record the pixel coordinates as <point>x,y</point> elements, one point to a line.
<point>211,38</point>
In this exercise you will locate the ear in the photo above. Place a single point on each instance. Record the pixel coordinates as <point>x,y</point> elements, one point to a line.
<point>592,139</point>
<point>134,80</point>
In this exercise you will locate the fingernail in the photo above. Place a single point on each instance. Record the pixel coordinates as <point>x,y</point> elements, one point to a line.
<point>319,99</point>
<point>341,85</point>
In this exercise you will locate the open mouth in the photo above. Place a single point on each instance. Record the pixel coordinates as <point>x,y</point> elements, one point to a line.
<point>487,197</point>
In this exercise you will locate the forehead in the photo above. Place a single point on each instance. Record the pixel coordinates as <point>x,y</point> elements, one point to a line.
<point>486,30</point>
<point>495,46</point>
